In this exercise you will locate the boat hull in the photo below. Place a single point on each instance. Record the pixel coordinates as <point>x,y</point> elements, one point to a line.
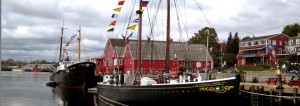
<point>20,70</point>
<point>36,70</point>
<point>222,91</point>
<point>79,75</point>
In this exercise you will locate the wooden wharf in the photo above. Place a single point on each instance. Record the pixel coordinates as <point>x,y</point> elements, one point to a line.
<point>269,87</point>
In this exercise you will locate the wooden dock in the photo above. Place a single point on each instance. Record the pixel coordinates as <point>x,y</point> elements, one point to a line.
<point>268,88</point>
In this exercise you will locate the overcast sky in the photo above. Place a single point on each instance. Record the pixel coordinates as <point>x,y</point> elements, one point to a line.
<point>30,28</point>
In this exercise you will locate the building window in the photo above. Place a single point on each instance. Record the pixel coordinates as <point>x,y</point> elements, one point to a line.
<point>290,42</point>
<point>255,43</point>
<point>280,50</point>
<point>269,41</point>
<point>106,63</point>
<point>242,44</point>
<point>121,62</point>
<point>280,43</point>
<point>292,50</point>
<point>249,43</point>
<point>273,42</point>
<point>262,42</point>
<point>297,41</point>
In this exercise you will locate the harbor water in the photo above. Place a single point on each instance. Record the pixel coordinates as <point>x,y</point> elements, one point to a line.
<point>29,89</point>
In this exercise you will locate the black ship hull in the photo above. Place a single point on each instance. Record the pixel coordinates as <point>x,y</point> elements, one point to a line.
<point>79,75</point>
<point>222,92</point>
<point>73,97</point>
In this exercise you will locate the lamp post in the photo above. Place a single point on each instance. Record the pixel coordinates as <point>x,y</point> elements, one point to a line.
<point>206,70</point>
<point>221,56</point>
<point>279,79</point>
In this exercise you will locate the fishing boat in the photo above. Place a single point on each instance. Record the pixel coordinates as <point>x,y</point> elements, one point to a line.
<point>73,73</point>
<point>146,91</point>
<point>36,68</point>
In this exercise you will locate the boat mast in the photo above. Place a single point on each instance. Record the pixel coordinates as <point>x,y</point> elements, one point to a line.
<point>61,40</point>
<point>79,39</point>
<point>139,40</point>
<point>168,38</point>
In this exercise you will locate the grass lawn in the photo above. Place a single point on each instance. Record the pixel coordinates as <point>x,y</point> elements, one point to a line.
<point>252,68</point>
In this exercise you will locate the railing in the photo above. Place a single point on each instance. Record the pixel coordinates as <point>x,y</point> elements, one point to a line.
<point>263,76</point>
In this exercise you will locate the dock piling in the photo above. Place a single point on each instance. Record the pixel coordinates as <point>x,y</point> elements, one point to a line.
<point>261,100</point>
<point>295,90</point>
<point>253,96</point>
<point>279,98</point>
<point>271,99</point>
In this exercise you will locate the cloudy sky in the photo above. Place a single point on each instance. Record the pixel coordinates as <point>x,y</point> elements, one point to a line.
<point>31,28</point>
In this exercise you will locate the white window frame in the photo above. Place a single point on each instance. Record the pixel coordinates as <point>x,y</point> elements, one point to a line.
<point>290,42</point>
<point>280,50</point>
<point>262,42</point>
<point>249,43</point>
<point>242,44</point>
<point>269,42</point>
<point>273,42</point>
<point>280,43</point>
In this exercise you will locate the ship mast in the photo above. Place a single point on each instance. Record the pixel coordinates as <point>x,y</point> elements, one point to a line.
<point>139,40</point>
<point>61,40</point>
<point>168,38</point>
<point>79,39</point>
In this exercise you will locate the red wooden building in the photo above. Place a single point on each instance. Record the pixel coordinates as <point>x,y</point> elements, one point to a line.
<point>122,55</point>
<point>262,50</point>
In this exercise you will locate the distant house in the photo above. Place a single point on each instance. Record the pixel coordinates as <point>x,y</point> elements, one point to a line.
<point>122,55</point>
<point>262,50</point>
<point>293,45</point>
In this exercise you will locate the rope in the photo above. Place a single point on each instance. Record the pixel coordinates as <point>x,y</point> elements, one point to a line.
<point>203,13</point>
<point>178,22</point>
<point>290,97</point>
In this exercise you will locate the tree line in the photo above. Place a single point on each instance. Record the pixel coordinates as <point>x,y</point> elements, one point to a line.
<point>20,63</point>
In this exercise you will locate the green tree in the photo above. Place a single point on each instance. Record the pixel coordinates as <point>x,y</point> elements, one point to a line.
<point>232,49</point>
<point>43,62</point>
<point>235,44</point>
<point>201,38</point>
<point>10,62</point>
<point>291,30</point>
<point>246,37</point>
<point>230,59</point>
<point>229,43</point>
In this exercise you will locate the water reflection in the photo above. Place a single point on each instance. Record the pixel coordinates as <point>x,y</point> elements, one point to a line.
<point>29,89</point>
<point>73,97</point>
